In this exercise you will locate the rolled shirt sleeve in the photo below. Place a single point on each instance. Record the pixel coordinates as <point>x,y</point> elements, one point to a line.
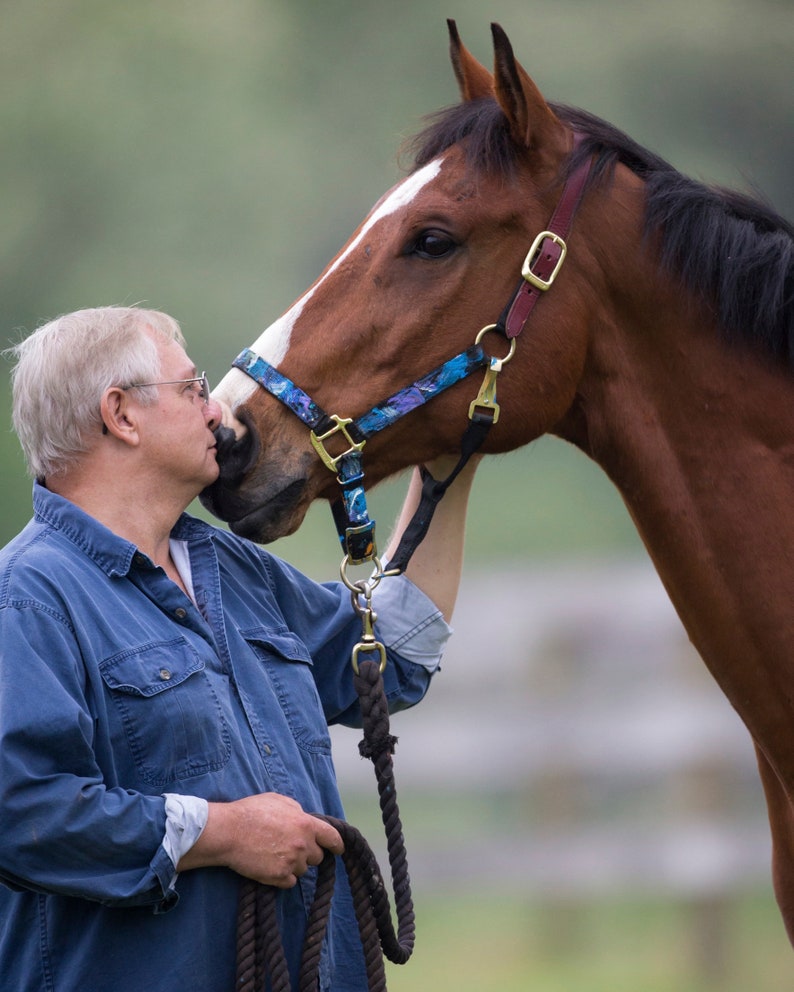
<point>185,818</point>
<point>409,622</point>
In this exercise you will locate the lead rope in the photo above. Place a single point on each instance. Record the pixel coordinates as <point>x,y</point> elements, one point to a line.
<point>259,944</point>
<point>260,951</point>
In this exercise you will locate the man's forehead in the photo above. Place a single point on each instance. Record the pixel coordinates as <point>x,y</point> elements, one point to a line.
<point>172,354</point>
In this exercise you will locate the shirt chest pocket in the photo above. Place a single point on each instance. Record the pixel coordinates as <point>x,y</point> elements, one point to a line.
<point>170,710</point>
<point>288,667</point>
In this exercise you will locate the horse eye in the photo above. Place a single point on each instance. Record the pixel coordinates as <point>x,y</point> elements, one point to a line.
<point>432,244</point>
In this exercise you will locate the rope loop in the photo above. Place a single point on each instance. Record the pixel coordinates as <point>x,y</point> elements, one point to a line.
<point>260,952</point>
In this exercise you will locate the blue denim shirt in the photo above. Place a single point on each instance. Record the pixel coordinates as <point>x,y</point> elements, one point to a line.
<point>116,688</point>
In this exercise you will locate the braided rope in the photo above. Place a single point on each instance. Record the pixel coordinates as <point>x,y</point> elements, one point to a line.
<point>317,924</point>
<point>259,947</point>
<point>378,745</point>
<point>245,979</point>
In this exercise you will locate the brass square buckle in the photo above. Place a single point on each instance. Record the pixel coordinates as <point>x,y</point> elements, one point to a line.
<point>534,251</point>
<point>340,427</point>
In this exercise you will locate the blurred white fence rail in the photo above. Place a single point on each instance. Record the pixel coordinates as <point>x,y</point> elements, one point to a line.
<point>586,745</point>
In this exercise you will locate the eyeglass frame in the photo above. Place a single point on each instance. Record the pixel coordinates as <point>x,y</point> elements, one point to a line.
<point>204,392</point>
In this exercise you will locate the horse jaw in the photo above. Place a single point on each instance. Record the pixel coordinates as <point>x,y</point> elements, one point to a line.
<point>279,512</point>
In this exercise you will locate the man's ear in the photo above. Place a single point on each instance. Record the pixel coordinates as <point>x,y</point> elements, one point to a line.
<point>118,418</point>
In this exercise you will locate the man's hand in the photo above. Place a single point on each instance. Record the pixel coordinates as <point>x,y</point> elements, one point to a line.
<point>267,837</point>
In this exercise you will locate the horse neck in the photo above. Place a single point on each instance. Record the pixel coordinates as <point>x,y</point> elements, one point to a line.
<point>699,439</point>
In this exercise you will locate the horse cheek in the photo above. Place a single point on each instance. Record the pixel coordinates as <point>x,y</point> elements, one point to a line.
<point>540,387</point>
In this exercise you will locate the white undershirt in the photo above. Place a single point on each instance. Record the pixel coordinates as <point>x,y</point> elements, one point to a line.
<point>181,559</point>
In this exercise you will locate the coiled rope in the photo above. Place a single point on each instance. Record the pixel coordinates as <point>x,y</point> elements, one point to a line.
<point>260,951</point>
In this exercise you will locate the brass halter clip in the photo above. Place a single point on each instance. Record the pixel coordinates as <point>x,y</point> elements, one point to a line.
<point>364,588</point>
<point>368,643</point>
<point>486,398</point>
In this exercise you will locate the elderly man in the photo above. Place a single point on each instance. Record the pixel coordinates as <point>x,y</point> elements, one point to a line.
<point>165,686</point>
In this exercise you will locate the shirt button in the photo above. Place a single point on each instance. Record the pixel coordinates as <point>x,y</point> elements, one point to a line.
<point>139,560</point>
<point>180,613</point>
<point>165,675</point>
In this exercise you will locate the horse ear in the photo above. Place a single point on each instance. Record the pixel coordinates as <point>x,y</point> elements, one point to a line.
<point>474,80</point>
<point>532,122</point>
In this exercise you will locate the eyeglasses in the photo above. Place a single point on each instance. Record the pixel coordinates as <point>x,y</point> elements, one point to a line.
<point>203,391</point>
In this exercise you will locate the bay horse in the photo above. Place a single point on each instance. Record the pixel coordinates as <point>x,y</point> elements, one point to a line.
<point>661,346</point>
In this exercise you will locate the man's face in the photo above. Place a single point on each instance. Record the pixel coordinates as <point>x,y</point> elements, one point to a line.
<point>177,429</point>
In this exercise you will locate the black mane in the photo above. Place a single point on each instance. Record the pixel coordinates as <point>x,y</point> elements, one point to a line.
<point>731,249</point>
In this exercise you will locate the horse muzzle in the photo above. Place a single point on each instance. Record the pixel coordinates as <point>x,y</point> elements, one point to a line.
<point>256,493</point>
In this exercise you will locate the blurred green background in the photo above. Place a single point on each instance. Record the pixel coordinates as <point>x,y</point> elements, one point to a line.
<point>209,158</point>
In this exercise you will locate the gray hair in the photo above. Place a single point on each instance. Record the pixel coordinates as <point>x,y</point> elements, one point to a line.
<point>64,367</point>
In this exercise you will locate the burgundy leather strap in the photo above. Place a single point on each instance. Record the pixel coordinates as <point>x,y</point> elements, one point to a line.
<point>547,258</point>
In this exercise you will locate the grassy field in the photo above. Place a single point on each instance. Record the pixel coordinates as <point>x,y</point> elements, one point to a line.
<point>483,943</point>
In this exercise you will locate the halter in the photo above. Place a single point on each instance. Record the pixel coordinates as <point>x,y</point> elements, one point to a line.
<point>355,528</point>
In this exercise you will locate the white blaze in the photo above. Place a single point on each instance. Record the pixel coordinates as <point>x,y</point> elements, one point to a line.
<point>273,343</point>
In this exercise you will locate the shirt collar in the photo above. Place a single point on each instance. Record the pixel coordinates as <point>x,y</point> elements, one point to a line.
<point>113,554</point>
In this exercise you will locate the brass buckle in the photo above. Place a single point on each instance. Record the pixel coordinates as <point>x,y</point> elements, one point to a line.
<point>340,427</point>
<point>526,268</point>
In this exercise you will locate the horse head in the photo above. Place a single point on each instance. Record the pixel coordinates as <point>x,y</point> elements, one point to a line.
<point>434,263</point>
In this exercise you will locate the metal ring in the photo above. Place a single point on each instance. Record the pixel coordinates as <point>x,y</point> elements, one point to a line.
<point>362,586</point>
<point>493,327</point>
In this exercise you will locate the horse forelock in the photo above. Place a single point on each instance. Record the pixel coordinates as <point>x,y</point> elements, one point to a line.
<point>727,247</point>
<point>479,126</point>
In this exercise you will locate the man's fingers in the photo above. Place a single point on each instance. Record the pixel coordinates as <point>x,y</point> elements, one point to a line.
<point>283,881</point>
<point>328,837</point>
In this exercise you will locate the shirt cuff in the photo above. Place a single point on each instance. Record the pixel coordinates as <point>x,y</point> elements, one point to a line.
<point>409,622</point>
<point>185,818</point>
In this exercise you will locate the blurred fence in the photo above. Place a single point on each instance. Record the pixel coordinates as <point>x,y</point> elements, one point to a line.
<point>573,745</point>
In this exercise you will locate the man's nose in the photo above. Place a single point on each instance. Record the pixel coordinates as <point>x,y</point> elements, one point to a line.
<point>214,413</point>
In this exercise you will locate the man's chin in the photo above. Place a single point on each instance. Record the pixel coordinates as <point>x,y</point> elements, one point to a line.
<point>206,478</point>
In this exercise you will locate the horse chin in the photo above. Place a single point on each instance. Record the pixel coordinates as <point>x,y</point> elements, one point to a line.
<point>262,520</point>
<point>268,523</point>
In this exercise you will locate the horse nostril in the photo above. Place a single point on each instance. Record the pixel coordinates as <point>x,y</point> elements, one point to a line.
<point>224,439</point>
<point>236,456</point>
